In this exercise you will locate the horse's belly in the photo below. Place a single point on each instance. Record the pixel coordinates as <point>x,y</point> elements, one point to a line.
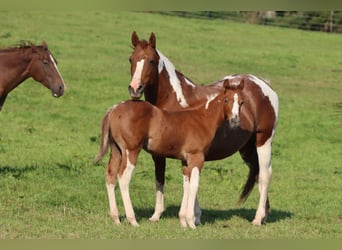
<point>227,141</point>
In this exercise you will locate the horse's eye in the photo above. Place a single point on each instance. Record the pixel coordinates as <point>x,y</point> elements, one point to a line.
<point>45,62</point>
<point>226,101</point>
<point>151,61</point>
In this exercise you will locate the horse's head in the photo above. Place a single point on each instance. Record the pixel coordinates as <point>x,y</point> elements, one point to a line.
<point>144,65</point>
<point>233,101</point>
<point>43,68</point>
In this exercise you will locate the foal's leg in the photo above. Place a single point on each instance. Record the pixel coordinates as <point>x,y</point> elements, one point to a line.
<point>111,178</point>
<point>265,173</point>
<point>184,204</point>
<point>193,188</point>
<point>124,180</point>
<point>191,176</point>
<point>159,165</point>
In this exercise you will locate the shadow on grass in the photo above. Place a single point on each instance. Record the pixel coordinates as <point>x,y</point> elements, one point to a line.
<point>212,215</point>
<point>16,172</point>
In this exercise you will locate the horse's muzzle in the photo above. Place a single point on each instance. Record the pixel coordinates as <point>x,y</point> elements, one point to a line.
<point>58,90</point>
<point>234,122</point>
<point>136,94</point>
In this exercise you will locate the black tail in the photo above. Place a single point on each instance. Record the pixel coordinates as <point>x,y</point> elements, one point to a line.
<point>251,180</point>
<point>250,156</point>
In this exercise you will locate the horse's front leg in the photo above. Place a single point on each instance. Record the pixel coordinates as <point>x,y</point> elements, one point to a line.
<point>191,177</point>
<point>159,171</point>
<point>124,180</point>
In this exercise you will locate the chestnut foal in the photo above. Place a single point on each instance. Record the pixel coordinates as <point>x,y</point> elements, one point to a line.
<point>185,135</point>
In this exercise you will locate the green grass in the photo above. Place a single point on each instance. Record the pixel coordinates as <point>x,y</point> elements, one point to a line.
<point>49,188</point>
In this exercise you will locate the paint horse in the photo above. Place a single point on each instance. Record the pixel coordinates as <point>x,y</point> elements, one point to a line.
<point>185,135</point>
<point>162,85</point>
<point>27,60</point>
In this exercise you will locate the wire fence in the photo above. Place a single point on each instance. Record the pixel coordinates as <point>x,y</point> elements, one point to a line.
<point>324,21</point>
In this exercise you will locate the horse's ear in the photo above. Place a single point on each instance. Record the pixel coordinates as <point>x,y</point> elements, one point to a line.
<point>153,40</point>
<point>44,45</point>
<point>33,47</point>
<point>135,39</point>
<point>226,84</point>
<point>242,84</point>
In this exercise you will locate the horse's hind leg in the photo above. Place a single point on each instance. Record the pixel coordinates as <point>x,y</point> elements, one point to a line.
<point>111,179</point>
<point>124,176</point>
<point>159,165</point>
<point>265,174</point>
<point>249,154</point>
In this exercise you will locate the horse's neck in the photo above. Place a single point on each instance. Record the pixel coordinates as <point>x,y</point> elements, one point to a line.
<point>16,64</point>
<point>174,94</point>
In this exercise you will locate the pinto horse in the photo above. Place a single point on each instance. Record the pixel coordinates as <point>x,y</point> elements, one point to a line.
<point>27,60</point>
<point>134,125</point>
<point>162,85</point>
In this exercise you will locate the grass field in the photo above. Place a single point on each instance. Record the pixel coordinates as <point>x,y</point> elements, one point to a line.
<point>49,188</point>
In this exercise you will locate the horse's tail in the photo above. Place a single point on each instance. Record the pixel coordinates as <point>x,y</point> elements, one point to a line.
<point>251,180</point>
<point>104,136</point>
<point>250,156</point>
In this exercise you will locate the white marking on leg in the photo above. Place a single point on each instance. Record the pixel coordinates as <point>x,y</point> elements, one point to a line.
<point>184,205</point>
<point>159,208</point>
<point>136,79</point>
<point>210,98</point>
<point>174,81</point>
<point>124,181</point>
<point>113,209</point>
<point>194,183</point>
<point>265,173</point>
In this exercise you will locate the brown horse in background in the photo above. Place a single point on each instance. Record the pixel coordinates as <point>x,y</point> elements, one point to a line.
<point>156,77</point>
<point>185,135</point>
<point>28,60</point>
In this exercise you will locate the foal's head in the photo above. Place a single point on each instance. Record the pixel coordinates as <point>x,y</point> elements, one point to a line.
<point>233,101</point>
<point>43,68</point>
<point>144,65</point>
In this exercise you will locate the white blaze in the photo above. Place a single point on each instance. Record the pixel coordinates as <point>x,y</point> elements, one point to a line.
<point>55,65</point>
<point>136,79</point>
<point>235,109</point>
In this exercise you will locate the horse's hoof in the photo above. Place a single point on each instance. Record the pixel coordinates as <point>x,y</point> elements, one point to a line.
<point>134,223</point>
<point>256,222</point>
<point>154,218</point>
<point>192,225</point>
<point>116,220</point>
<point>183,223</point>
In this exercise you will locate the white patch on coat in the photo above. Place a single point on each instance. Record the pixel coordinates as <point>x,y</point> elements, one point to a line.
<point>189,82</point>
<point>175,83</point>
<point>210,98</point>
<point>267,91</point>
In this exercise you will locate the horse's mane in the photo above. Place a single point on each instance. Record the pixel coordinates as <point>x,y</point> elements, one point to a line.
<point>20,45</point>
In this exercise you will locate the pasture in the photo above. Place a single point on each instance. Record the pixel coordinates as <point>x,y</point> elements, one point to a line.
<point>50,189</point>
